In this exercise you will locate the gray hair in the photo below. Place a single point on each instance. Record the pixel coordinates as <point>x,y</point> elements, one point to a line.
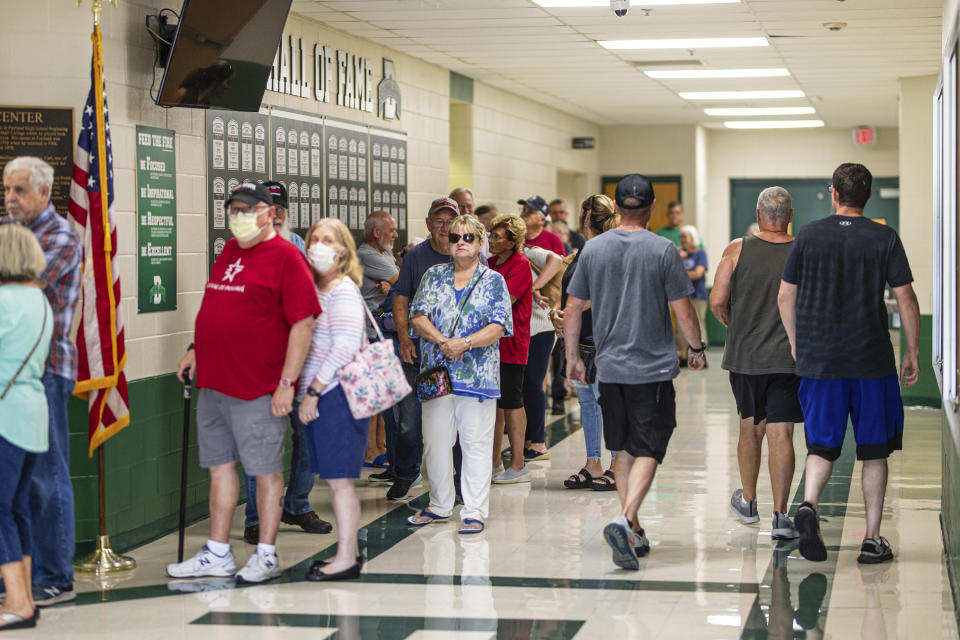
<point>374,221</point>
<point>459,190</point>
<point>691,231</point>
<point>21,258</point>
<point>41,173</point>
<point>775,205</point>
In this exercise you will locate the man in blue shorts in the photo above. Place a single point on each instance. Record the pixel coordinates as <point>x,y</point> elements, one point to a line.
<point>831,303</point>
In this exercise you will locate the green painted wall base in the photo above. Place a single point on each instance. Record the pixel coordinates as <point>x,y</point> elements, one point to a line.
<point>950,510</point>
<point>142,468</point>
<point>926,392</point>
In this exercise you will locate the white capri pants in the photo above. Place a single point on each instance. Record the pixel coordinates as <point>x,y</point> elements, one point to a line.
<point>443,419</point>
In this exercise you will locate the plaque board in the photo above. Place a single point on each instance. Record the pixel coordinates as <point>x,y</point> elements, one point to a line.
<point>45,132</point>
<point>388,177</point>
<point>156,219</point>
<point>297,153</point>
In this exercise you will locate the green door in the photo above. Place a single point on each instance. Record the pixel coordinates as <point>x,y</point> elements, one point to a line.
<point>811,201</point>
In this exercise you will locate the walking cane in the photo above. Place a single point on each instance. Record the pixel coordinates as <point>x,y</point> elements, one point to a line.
<point>183,464</point>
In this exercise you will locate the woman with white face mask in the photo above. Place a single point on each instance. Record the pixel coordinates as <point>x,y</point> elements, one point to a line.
<point>335,439</point>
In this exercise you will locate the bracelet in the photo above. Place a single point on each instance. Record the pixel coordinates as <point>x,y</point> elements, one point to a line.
<point>285,383</point>
<point>703,347</point>
<point>313,393</point>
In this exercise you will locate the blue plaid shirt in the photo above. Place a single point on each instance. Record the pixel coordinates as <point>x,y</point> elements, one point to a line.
<point>61,247</point>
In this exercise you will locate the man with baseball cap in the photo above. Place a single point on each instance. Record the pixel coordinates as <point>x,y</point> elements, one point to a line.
<point>534,214</point>
<point>628,275</point>
<point>408,435</point>
<point>279,193</point>
<point>252,334</point>
<point>296,500</point>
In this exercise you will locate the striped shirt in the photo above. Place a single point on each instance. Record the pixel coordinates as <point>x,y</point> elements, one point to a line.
<point>337,336</point>
<point>61,277</point>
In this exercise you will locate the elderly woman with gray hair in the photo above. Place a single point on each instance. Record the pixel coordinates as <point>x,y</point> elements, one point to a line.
<point>26,327</point>
<point>461,310</point>
<point>695,262</point>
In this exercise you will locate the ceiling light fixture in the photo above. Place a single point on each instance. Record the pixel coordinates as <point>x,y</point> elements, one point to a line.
<point>761,111</point>
<point>578,4</point>
<point>740,95</point>
<point>684,43</point>
<point>773,124</point>
<point>683,74</point>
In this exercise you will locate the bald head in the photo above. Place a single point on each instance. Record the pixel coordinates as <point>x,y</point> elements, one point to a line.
<point>775,208</point>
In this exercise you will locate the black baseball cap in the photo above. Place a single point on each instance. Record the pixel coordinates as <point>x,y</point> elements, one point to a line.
<point>278,191</point>
<point>634,192</point>
<point>251,193</point>
<point>536,202</point>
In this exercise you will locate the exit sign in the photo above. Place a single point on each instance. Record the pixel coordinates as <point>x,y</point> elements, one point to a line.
<point>865,135</point>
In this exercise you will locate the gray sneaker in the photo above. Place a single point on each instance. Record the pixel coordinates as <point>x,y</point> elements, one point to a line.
<point>641,546</point>
<point>619,535</point>
<point>783,528</point>
<point>746,511</point>
<point>512,477</point>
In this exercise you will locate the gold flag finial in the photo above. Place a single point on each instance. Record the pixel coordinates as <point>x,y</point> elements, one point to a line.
<point>97,9</point>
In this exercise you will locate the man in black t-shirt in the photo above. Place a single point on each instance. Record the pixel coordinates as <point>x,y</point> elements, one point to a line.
<point>832,306</point>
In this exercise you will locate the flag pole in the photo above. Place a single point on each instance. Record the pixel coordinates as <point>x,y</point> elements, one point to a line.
<point>102,559</point>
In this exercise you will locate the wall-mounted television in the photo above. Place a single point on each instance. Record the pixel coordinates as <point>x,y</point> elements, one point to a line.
<point>222,53</point>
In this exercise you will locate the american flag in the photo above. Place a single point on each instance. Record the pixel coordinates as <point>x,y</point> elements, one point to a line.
<point>100,348</point>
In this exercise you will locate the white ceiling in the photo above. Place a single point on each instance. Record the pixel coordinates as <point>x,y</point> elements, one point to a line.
<point>551,55</point>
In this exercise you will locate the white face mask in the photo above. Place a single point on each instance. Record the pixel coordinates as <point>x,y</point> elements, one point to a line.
<point>244,226</point>
<point>322,257</point>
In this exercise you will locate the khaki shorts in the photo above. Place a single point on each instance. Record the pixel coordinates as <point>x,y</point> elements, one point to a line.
<point>231,430</point>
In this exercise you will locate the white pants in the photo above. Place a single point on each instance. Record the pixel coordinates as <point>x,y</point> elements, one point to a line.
<point>443,419</point>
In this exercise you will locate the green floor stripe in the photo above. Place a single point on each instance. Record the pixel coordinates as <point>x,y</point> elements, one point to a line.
<point>773,614</point>
<point>396,627</point>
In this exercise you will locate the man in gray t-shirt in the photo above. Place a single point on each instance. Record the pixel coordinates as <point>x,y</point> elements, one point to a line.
<point>380,269</point>
<point>630,276</point>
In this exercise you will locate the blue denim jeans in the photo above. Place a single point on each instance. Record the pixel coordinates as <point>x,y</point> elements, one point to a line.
<point>534,399</point>
<point>590,417</point>
<point>403,430</point>
<point>15,474</point>
<point>297,498</point>
<point>51,494</point>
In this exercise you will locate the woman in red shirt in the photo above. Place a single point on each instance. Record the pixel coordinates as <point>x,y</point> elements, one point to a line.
<point>506,239</point>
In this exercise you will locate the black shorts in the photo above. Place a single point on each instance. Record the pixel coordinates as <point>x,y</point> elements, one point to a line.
<point>638,418</point>
<point>511,386</point>
<point>771,397</point>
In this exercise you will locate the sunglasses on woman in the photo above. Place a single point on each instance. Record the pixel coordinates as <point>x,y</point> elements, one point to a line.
<point>467,237</point>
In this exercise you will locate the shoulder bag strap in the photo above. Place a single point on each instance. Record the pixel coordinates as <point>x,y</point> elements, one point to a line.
<point>463,301</point>
<point>36,344</point>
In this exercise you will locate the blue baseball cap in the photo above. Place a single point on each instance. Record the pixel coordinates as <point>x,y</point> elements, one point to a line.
<point>634,192</point>
<point>536,202</point>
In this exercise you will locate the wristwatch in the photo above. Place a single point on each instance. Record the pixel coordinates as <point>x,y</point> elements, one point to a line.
<point>469,342</point>
<point>286,383</point>
<point>703,347</point>
<point>313,393</point>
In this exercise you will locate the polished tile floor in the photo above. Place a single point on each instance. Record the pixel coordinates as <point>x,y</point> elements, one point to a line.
<point>541,569</point>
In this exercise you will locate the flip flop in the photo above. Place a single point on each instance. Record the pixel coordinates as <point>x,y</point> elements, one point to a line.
<point>574,481</point>
<point>465,528</point>
<point>432,517</point>
<point>13,621</point>
<point>381,461</point>
<point>606,482</point>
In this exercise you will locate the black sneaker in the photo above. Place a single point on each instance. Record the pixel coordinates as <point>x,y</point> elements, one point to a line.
<point>808,524</point>
<point>49,596</point>
<point>558,408</point>
<point>875,551</point>
<point>812,591</point>
<point>401,488</point>
<point>251,535</point>
<point>383,476</point>
<point>309,522</point>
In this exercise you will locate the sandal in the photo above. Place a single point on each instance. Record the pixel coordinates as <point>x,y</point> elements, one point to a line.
<point>425,517</point>
<point>576,482</point>
<point>468,526</point>
<point>606,482</point>
<point>12,621</point>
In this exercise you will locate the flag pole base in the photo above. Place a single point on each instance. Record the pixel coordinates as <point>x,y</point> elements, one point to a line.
<point>104,560</point>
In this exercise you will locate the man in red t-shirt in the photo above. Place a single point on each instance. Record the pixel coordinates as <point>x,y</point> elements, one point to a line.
<point>506,241</point>
<point>252,334</point>
<point>534,214</point>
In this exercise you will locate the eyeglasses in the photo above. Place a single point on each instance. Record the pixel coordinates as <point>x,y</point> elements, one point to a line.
<point>443,224</point>
<point>467,237</point>
<point>236,211</point>
<point>830,188</point>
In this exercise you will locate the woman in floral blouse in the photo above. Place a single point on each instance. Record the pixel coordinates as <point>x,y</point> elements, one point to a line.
<point>461,310</point>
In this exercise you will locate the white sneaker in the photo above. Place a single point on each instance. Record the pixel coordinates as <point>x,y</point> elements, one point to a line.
<point>205,564</point>
<point>260,567</point>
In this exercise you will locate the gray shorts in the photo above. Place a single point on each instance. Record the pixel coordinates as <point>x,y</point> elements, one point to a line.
<point>229,430</point>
